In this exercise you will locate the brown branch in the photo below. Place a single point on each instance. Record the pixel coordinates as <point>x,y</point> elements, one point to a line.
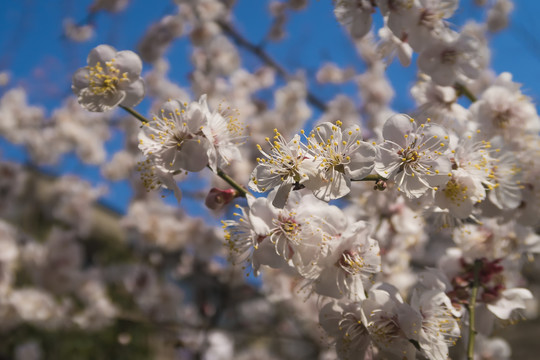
<point>258,51</point>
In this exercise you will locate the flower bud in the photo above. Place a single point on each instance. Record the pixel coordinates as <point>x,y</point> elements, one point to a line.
<point>218,198</point>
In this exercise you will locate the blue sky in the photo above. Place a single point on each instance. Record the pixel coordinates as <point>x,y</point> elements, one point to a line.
<point>42,61</point>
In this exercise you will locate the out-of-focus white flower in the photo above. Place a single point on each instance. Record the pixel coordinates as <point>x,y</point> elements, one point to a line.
<point>413,156</point>
<point>341,108</point>
<point>38,307</point>
<point>390,45</point>
<point>439,103</point>
<point>18,118</point>
<point>100,311</point>
<point>291,105</point>
<point>504,110</point>
<point>424,21</point>
<point>159,85</point>
<point>203,33</point>
<point>152,223</point>
<point>69,201</point>
<point>220,346</point>
<point>9,256</point>
<point>78,33</point>
<point>4,78</point>
<point>331,73</point>
<point>341,157</point>
<point>499,14</point>
<point>111,78</point>
<point>158,37</point>
<point>218,57</point>
<point>206,10</point>
<point>450,58</point>
<point>120,166</point>
<point>356,15</point>
<point>57,266</point>
<point>376,92</point>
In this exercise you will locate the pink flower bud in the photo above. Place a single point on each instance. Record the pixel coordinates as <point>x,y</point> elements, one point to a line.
<point>217,198</point>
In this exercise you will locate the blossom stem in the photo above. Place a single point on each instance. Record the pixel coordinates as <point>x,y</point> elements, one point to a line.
<point>239,189</point>
<point>372,177</point>
<point>462,90</point>
<point>472,304</point>
<point>135,114</point>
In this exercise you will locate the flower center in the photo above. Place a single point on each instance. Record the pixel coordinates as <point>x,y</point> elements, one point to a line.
<point>455,192</point>
<point>351,262</point>
<point>408,155</point>
<point>449,56</point>
<point>352,326</point>
<point>104,80</point>
<point>501,119</point>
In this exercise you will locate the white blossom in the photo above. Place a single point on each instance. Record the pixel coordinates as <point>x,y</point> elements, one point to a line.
<point>352,261</point>
<point>342,156</point>
<point>287,164</point>
<point>439,328</point>
<point>356,15</point>
<point>503,110</point>
<point>450,58</point>
<point>413,156</point>
<point>460,194</point>
<point>111,78</point>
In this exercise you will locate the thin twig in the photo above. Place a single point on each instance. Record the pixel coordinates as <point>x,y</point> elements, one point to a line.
<point>370,178</point>
<point>134,113</point>
<point>462,90</point>
<point>241,191</point>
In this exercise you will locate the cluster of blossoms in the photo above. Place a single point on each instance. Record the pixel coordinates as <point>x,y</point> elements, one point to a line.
<point>439,172</point>
<point>326,165</point>
<point>187,138</point>
<point>395,236</point>
<point>445,175</point>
